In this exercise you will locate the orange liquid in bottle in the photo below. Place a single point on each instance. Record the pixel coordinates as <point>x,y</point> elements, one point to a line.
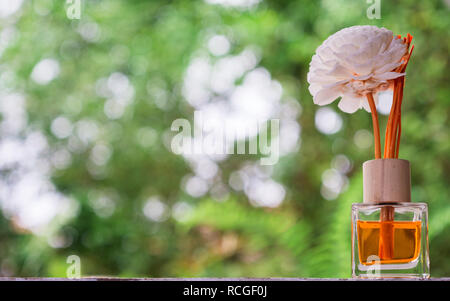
<point>406,241</point>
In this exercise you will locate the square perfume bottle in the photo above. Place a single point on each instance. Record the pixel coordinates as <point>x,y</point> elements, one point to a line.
<point>389,233</point>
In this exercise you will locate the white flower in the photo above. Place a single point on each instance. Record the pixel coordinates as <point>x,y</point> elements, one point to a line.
<point>353,62</point>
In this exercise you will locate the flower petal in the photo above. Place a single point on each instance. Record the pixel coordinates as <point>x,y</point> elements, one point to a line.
<point>382,66</point>
<point>314,89</point>
<point>325,53</point>
<point>388,75</point>
<point>340,72</point>
<point>349,103</point>
<point>327,96</point>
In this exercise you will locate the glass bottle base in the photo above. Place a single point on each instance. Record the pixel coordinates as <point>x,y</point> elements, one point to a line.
<point>396,248</point>
<point>393,276</point>
<point>379,271</point>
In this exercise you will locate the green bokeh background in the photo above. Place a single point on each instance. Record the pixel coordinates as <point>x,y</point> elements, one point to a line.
<point>154,42</point>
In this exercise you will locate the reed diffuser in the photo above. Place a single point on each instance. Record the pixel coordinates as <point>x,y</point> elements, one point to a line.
<point>389,233</point>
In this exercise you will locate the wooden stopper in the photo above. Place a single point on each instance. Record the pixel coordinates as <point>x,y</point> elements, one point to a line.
<point>386,181</point>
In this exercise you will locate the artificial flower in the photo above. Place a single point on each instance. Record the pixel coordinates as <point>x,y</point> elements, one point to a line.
<point>354,62</point>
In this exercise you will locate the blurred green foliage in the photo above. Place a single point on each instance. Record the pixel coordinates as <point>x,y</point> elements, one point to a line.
<point>152,43</point>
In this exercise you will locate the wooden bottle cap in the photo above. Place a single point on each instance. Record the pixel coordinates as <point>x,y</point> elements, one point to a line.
<point>386,181</point>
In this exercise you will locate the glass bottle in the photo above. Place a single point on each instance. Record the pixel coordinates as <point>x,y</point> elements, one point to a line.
<point>389,233</point>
